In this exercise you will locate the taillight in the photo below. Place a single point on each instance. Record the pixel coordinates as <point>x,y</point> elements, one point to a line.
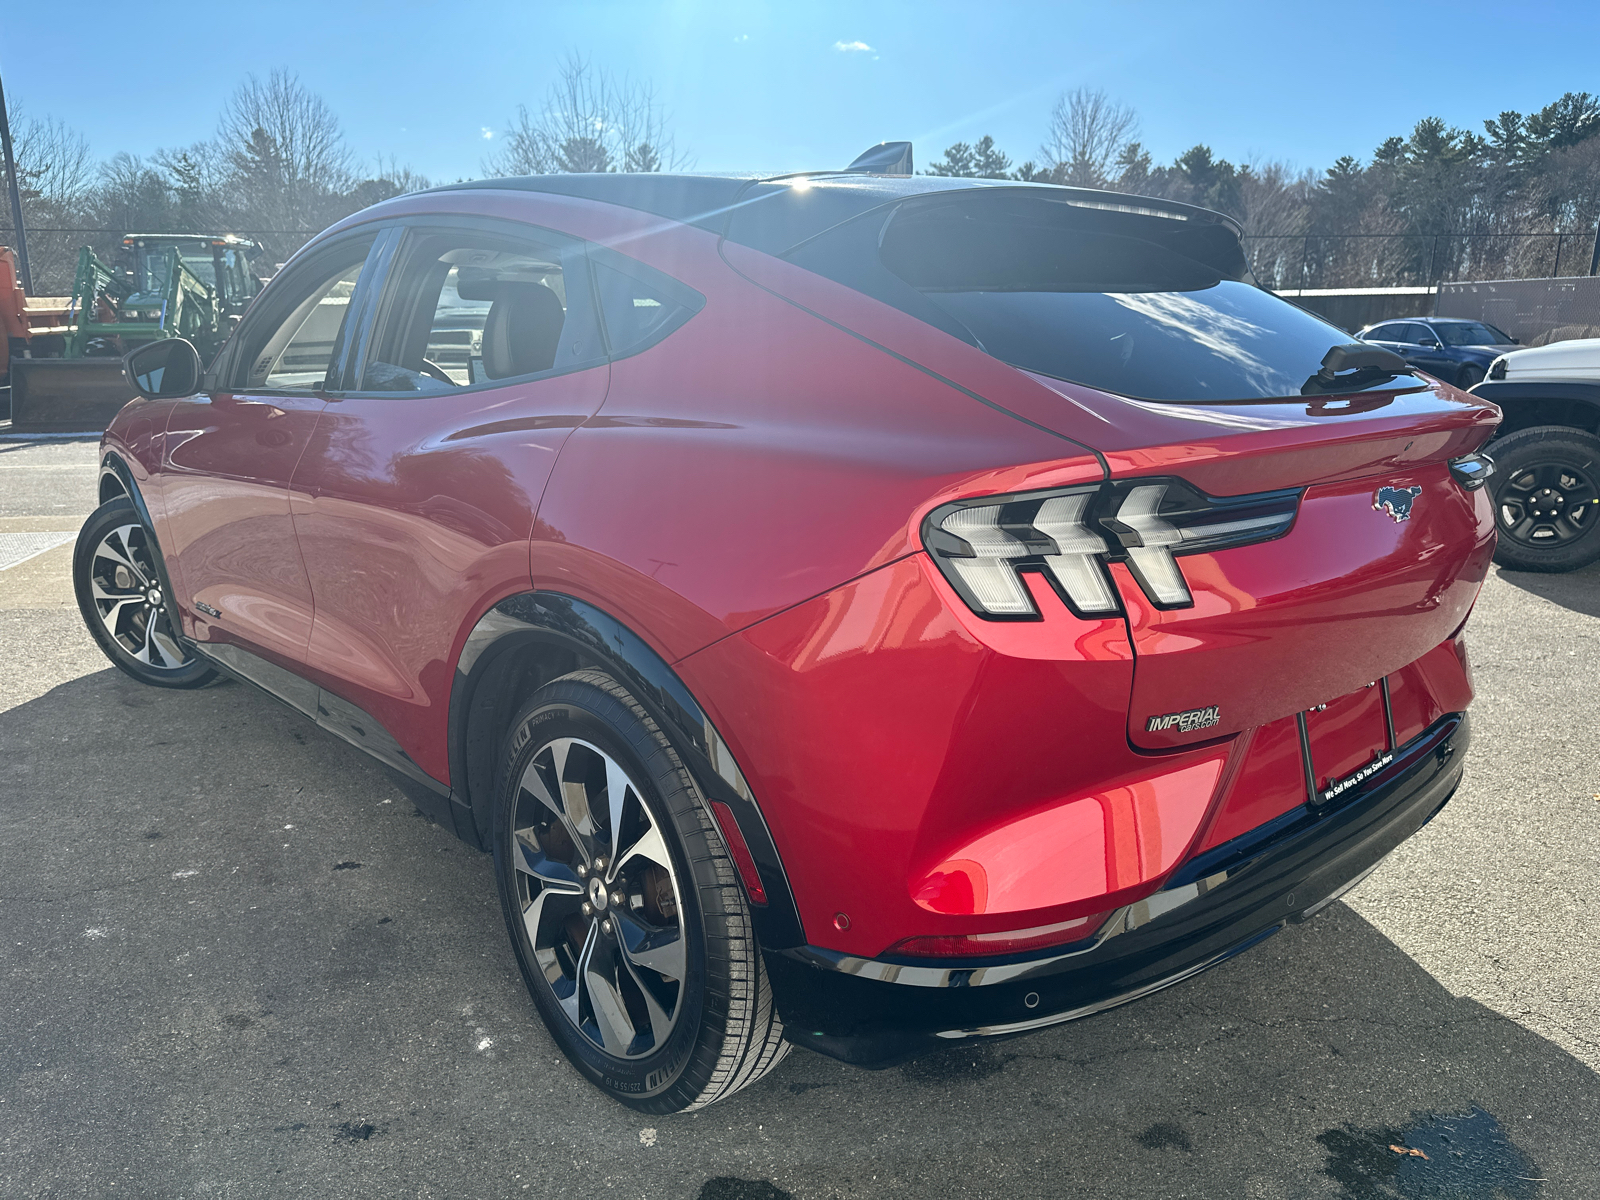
<point>1070,534</point>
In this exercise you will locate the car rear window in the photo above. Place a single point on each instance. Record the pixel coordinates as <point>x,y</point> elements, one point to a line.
<point>1134,302</point>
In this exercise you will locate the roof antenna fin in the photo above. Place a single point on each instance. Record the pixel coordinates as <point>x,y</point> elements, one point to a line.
<point>886,158</point>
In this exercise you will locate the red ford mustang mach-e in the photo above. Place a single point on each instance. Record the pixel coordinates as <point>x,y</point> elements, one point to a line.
<point>857,611</point>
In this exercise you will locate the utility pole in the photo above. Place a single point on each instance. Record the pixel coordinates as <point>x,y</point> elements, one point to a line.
<point>15,187</point>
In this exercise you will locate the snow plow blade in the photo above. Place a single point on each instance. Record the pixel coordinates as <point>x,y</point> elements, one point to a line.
<point>66,395</point>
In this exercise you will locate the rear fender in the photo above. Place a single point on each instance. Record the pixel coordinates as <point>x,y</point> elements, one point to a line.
<point>1575,404</point>
<point>547,634</point>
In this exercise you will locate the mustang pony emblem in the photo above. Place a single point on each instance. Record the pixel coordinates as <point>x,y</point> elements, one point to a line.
<point>1396,501</point>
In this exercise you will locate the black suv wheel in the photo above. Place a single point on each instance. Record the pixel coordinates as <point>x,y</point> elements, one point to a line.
<point>120,595</point>
<point>623,906</point>
<point>1546,489</point>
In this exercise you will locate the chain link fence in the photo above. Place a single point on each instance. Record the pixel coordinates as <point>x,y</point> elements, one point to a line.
<point>1370,260</point>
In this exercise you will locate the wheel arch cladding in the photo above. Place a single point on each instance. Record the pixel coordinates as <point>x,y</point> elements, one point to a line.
<point>527,640</point>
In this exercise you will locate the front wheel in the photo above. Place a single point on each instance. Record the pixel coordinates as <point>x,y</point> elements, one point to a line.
<point>624,907</point>
<point>1546,490</point>
<point>122,601</point>
<point>1469,376</point>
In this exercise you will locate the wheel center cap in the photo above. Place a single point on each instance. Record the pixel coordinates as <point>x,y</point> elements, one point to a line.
<point>154,596</point>
<point>597,893</point>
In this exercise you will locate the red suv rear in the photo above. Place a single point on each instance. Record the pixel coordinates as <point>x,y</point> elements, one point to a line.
<point>856,611</point>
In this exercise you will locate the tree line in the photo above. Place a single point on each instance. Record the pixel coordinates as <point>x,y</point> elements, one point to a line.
<point>1442,203</point>
<point>279,168</point>
<point>1439,203</point>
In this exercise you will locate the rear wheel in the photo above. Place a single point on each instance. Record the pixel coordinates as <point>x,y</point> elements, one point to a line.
<point>623,906</point>
<point>1546,490</point>
<point>123,603</point>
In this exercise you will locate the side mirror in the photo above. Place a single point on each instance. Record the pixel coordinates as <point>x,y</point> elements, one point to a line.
<point>163,370</point>
<point>1429,344</point>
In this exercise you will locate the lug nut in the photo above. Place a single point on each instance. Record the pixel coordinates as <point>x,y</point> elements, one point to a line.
<point>606,924</point>
<point>588,909</point>
<point>619,898</point>
<point>600,863</point>
<point>583,871</point>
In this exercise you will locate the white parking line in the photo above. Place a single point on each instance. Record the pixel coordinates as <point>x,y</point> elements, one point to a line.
<point>20,547</point>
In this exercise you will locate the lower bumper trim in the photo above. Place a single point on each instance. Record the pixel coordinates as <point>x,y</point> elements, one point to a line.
<point>876,1013</point>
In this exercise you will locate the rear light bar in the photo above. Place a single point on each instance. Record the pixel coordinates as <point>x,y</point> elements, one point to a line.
<point>1069,535</point>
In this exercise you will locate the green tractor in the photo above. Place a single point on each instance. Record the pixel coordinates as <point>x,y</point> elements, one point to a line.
<point>193,286</point>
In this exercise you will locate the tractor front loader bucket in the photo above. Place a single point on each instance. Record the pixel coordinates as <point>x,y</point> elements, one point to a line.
<point>66,395</point>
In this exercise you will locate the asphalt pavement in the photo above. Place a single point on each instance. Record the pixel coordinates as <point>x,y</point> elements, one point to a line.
<point>236,962</point>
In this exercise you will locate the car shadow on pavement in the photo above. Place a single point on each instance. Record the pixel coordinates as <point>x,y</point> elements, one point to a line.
<point>1578,590</point>
<point>236,960</point>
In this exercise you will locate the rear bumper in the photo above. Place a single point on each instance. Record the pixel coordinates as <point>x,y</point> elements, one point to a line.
<point>876,1012</point>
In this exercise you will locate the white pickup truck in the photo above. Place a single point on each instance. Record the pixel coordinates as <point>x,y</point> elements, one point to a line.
<point>1546,483</point>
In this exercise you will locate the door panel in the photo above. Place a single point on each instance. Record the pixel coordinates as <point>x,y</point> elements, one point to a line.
<point>231,454</point>
<point>414,516</point>
<point>226,490</point>
<point>415,503</point>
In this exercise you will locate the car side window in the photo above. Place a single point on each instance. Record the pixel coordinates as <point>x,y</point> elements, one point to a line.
<point>1382,333</point>
<point>1407,332</point>
<point>465,308</point>
<point>290,345</point>
<point>640,305</point>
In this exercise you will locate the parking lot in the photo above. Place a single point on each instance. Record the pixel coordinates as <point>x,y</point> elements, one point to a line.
<point>237,962</point>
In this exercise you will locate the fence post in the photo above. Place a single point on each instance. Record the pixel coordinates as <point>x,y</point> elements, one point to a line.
<point>1594,262</point>
<point>1555,271</point>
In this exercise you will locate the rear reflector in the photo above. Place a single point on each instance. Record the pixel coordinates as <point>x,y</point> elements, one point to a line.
<point>739,850</point>
<point>1016,941</point>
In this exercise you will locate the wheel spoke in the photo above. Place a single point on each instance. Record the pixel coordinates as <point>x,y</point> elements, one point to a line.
<point>163,646</point>
<point>575,1001</point>
<point>113,613</point>
<point>552,875</point>
<point>651,846</point>
<point>659,949</point>
<point>598,979</point>
<point>148,648</point>
<point>123,556</point>
<point>660,1020</point>
<point>533,913</point>
<point>616,796</point>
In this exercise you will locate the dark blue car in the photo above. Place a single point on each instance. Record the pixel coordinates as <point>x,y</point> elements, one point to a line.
<point>1449,348</point>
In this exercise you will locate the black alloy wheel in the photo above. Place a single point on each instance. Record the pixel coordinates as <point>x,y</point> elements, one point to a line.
<point>624,908</point>
<point>1470,375</point>
<point>120,594</point>
<point>1546,490</point>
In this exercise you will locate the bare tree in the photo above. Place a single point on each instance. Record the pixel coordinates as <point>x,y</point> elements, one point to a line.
<point>55,175</point>
<point>54,166</point>
<point>589,122</point>
<point>1276,206</point>
<point>1088,134</point>
<point>284,150</point>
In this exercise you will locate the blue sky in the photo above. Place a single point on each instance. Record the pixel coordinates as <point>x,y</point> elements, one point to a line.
<point>767,86</point>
